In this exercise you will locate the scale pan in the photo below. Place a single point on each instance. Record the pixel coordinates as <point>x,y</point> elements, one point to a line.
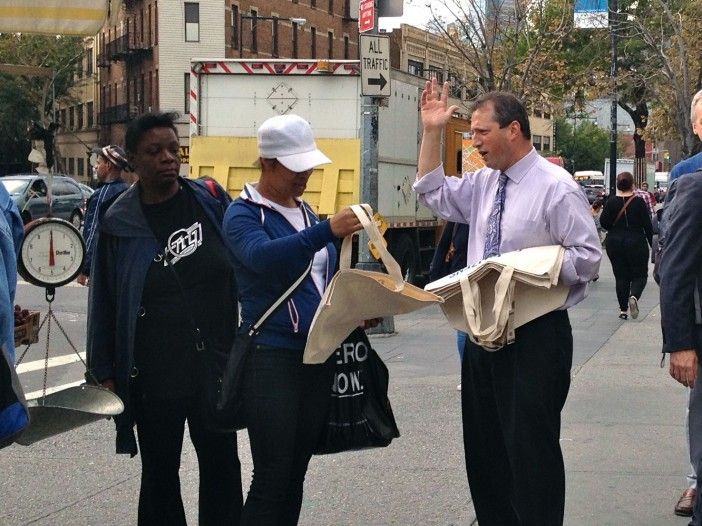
<point>68,409</point>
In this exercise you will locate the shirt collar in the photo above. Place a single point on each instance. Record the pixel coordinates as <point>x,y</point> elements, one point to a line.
<point>518,170</point>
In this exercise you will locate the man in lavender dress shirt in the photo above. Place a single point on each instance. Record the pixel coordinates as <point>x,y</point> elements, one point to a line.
<point>512,398</point>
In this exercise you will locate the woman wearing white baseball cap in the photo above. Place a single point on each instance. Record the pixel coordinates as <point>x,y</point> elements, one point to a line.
<point>274,235</point>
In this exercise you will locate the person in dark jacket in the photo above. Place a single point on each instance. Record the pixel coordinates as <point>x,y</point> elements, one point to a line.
<point>629,236</point>
<point>111,161</point>
<point>274,235</point>
<point>450,256</point>
<point>162,286</point>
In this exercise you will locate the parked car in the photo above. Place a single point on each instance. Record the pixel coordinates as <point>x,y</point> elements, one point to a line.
<point>29,194</point>
<point>594,192</point>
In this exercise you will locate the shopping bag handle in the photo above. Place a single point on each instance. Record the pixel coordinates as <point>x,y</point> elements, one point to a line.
<point>364,213</point>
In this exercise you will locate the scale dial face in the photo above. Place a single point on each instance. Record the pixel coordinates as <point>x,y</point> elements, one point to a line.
<point>52,252</point>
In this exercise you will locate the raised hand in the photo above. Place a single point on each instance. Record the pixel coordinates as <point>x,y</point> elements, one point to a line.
<point>435,110</point>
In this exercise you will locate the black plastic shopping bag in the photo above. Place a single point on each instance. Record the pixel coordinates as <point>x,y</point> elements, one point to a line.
<point>360,415</point>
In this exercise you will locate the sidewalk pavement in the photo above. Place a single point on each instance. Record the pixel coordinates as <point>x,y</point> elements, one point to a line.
<point>623,433</point>
<point>623,438</point>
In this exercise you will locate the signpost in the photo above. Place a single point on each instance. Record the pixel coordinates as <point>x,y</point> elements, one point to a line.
<point>375,65</point>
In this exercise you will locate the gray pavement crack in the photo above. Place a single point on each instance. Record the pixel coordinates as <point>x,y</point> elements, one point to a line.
<point>85,497</point>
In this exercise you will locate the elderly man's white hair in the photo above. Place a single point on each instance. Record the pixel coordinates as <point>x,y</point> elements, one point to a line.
<point>695,101</point>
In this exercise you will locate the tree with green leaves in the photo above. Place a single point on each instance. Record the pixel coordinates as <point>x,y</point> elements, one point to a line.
<point>26,98</point>
<point>585,147</point>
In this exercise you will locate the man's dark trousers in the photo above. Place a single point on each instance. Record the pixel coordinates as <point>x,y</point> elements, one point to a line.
<point>512,401</point>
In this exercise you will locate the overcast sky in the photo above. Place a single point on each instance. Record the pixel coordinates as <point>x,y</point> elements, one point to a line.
<point>415,13</point>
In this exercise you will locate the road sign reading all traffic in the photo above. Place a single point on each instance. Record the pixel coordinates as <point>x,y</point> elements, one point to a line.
<point>375,65</point>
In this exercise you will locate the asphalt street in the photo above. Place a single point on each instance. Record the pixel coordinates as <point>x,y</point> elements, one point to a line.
<point>613,441</point>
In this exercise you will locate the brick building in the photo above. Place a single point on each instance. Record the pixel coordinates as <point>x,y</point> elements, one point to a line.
<point>143,61</point>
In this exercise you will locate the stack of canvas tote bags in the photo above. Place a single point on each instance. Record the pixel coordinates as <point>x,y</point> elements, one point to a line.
<point>490,299</point>
<point>357,295</point>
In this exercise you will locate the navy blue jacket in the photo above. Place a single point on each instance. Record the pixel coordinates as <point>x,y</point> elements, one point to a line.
<point>686,166</point>
<point>126,248</point>
<point>269,255</point>
<point>104,193</point>
<point>681,269</point>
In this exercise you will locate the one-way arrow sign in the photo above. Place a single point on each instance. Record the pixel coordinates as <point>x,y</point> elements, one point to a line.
<point>375,65</point>
<point>380,81</point>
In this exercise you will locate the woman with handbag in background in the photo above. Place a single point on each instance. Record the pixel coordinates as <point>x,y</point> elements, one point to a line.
<point>629,235</point>
<point>162,294</point>
<point>274,235</point>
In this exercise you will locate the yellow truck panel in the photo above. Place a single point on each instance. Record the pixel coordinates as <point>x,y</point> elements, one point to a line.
<point>230,161</point>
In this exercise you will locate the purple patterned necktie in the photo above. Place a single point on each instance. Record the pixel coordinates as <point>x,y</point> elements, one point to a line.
<point>494,234</point>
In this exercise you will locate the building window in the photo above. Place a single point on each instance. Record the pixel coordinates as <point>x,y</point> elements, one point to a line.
<point>72,118</point>
<point>347,8</point>
<point>89,61</point>
<point>186,100</point>
<point>71,166</point>
<point>254,31</point>
<point>415,68</point>
<point>192,22</point>
<point>89,110</point>
<point>547,143</point>
<point>294,40</point>
<point>148,26</point>
<point>537,113</point>
<point>275,38</point>
<point>313,3</point>
<point>235,26</point>
<point>547,114</point>
<point>81,166</point>
<point>331,7</point>
<point>330,45</point>
<point>437,74</point>
<point>536,139</point>
<point>313,42</point>
<point>63,117</point>
<point>79,116</point>
<point>346,47</point>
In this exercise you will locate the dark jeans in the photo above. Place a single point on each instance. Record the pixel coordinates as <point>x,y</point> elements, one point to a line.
<point>285,406</point>
<point>160,428</point>
<point>628,253</point>
<point>512,401</point>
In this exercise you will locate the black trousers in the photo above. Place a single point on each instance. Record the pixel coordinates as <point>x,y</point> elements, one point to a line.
<point>628,253</point>
<point>512,401</point>
<point>285,405</point>
<point>160,428</point>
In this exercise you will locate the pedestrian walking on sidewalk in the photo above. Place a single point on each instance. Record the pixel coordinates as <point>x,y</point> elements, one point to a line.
<point>512,398</point>
<point>629,235</point>
<point>162,293</point>
<point>111,161</point>
<point>274,235</point>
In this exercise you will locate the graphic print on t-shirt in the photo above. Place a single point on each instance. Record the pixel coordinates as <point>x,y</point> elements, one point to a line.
<point>183,242</point>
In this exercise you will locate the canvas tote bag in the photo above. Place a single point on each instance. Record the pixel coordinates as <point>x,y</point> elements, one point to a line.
<point>356,295</point>
<point>510,291</point>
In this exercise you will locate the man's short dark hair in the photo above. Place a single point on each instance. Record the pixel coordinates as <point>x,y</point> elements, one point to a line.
<point>625,181</point>
<point>507,108</point>
<point>138,127</point>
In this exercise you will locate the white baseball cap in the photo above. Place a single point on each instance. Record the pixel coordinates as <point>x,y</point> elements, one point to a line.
<point>288,138</point>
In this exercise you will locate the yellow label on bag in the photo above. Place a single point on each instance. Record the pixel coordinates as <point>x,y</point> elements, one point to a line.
<point>382,227</point>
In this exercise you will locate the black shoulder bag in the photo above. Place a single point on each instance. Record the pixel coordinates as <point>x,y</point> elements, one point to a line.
<point>219,371</point>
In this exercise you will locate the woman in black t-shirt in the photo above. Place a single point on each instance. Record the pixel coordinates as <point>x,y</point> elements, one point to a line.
<point>629,235</point>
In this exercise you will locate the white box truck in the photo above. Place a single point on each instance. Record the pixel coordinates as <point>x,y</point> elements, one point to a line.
<point>230,98</point>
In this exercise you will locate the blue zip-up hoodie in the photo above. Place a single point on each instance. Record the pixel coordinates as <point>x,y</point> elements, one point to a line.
<point>104,193</point>
<point>269,255</point>
<point>14,416</point>
<point>126,248</point>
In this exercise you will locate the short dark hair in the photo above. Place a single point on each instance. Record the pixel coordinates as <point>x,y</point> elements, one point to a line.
<point>139,126</point>
<point>625,181</point>
<point>507,108</point>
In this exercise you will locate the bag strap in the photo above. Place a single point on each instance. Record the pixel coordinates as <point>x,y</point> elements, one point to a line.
<point>200,344</point>
<point>364,213</point>
<point>621,212</point>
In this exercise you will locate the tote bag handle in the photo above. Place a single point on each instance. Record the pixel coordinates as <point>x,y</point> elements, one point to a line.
<point>364,213</point>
